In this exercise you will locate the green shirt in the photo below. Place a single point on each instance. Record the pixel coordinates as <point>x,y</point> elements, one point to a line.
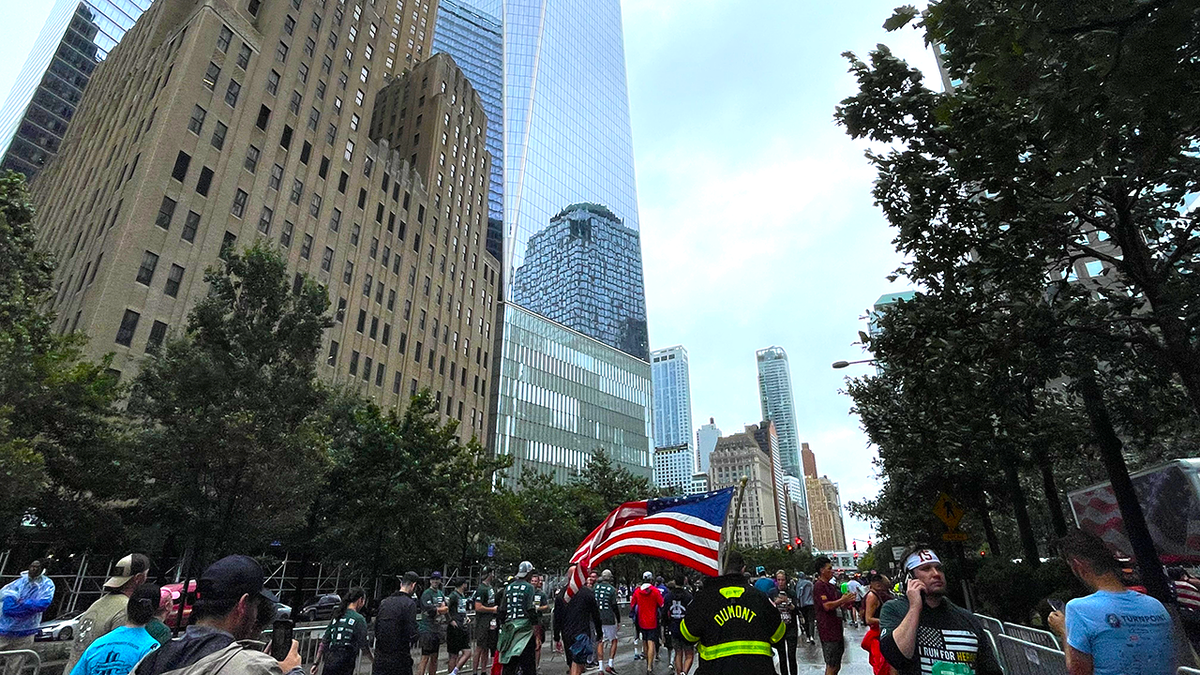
<point>485,595</point>
<point>518,601</point>
<point>348,632</point>
<point>540,599</point>
<point>159,631</point>
<point>431,599</point>
<point>606,600</point>
<point>458,607</point>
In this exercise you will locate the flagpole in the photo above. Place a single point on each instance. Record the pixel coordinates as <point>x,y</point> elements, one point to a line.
<point>737,514</point>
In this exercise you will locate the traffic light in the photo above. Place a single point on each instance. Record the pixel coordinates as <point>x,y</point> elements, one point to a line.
<point>855,545</point>
<point>799,542</point>
<point>868,543</point>
<point>789,547</point>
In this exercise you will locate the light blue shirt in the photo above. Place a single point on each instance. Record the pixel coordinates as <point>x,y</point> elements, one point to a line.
<point>1125,633</point>
<point>115,652</point>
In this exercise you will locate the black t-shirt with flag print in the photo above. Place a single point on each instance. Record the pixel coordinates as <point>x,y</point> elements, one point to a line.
<point>950,641</point>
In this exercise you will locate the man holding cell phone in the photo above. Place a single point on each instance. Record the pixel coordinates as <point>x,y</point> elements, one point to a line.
<point>925,632</point>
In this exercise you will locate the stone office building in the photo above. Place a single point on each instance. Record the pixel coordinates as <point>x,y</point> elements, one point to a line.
<point>318,126</point>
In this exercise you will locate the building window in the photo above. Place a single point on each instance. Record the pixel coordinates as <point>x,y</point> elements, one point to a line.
<point>314,207</point>
<point>348,272</point>
<point>359,96</point>
<point>146,269</point>
<point>355,232</point>
<point>314,116</point>
<point>364,73</point>
<point>223,39</point>
<point>354,362</point>
<point>374,327</point>
<point>174,277</point>
<point>362,320</point>
<point>285,139</point>
<point>326,64</point>
<point>354,120</point>
<point>297,190</point>
<point>366,369</point>
<point>264,116</point>
<point>285,237</point>
<point>253,7</point>
<point>158,331</point>
<point>331,360</point>
<point>243,57</point>
<point>273,81</point>
<point>310,46</point>
<point>231,93</point>
<point>239,203</point>
<point>264,220</point>
<point>387,333</point>
<point>306,246</point>
<point>367,284</point>
<point>211,75</point>
<point>228,242</point>
<point>340,315</point>
<point>379,376</point>
<point>251,163</point>
<point>303,73</point>
<point>202,185</point>
<point>289,25</point>
<point>179,171</point>
<point>165,211</point>
<point>129,324</point>
<point>327,260</point>
<point>331,133</point>
<point>218,136</point>
<point>294,104</point>
<point>335,220</point>
<point>190,225</point>
<point>349,154</point>
<point>276,177</point>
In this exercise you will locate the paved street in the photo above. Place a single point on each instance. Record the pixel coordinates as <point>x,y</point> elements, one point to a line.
<point>808,657</point>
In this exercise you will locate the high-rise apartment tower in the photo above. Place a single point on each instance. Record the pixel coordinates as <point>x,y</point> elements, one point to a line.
<point>318,127</point>
<point>775,395</point>
<point>672,418</point>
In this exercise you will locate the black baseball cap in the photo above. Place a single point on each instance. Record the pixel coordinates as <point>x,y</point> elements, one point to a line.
<point>411,577</point>
<point>232,577</point>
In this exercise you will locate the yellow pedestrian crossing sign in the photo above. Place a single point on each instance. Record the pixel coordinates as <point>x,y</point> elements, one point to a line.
<point>948,511</point>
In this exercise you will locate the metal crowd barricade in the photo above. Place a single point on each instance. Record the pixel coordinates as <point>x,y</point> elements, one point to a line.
<point>1025,658</point>
<point>21,655</point>
<point>1184,670</point>
<point>1034,635</point>
<point>308,637</point>
<point>990,623</point>
<point>995,648</point>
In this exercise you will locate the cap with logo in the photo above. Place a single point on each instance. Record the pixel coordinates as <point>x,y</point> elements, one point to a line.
<point>435,575</point>
<point>524,569</point>
<point>232,577</point>
<point>129,567</point>
<point>647,576</point>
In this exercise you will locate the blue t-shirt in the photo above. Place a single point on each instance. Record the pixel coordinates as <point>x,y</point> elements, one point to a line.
<point>1125,633</point>
<point>115,652</point>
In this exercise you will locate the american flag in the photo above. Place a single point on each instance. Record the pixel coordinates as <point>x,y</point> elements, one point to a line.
<point>684,530</point>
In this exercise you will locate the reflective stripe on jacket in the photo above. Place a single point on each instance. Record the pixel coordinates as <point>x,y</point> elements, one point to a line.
<point>734,626</point>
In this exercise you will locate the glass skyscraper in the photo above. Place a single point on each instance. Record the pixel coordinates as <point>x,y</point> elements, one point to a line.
<point>672,418</point>
<point>471,33</point>
<point>775,395</point>
<point>73,41</point>
<point>572,251</point>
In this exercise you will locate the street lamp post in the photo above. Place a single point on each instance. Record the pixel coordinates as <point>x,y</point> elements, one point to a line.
<point>842,364</point>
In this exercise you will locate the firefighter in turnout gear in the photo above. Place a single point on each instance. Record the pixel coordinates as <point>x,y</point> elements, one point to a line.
<point>733,624</point>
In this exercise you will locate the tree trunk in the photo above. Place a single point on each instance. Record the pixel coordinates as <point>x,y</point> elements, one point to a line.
<point>1016,493</point>
<point>989,529</point>
<point>1134,519</point>
<point>1050,488</point>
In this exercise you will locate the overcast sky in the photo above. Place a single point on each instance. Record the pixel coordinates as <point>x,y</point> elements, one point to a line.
<point>756,215</point>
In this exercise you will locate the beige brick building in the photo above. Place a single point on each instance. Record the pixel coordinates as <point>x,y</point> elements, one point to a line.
<point>825,514</point>
<point>215,124</point>
<point>739,455</point>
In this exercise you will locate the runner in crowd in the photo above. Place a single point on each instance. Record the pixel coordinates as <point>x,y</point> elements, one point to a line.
<point>829,601</point>
<point>396,629</point>
<point>431,624</point>
<point>458,640</point>
<point>118,650</point>
<point>516,645</point>
<point>785,602</point>
<point>575,622</point>
<point>487,624</point>
<point>345,637</point>
<point>877,595</point>
<point>541,609</point>
<point>853,586</point>
<point>644,606</point>
<point>676,603</point>
<point>1115,630</point>
<point>924,631</point>
<point>108,612</point>
<point>610,619</point>
<point>804,599</point>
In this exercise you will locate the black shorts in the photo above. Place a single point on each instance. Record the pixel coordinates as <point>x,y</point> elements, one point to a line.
<point>430,642</point>
<point>457,639</point>
<point>833,652</point>
<point>340,661</point>
<point>648,634</point>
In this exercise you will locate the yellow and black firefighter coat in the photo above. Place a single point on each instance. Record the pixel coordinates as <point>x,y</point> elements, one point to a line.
<point>734,626</point>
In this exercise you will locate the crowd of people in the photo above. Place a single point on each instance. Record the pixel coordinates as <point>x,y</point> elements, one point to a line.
<point>738,622</point>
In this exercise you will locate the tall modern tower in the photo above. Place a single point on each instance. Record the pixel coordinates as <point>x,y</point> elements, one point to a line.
<point>574,373</point>
<point>706,442</point>
<point>775,395</point>
<point>672,417</point>
<point>470,31</point>
<point>75,38</point>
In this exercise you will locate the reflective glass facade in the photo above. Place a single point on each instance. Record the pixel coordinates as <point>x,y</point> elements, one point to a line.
<point>562,395</point>
<point>568,142</point>
<point>775,395</point>
<point>473,37</point>
<point>585,271</point>
<point>76,37</point>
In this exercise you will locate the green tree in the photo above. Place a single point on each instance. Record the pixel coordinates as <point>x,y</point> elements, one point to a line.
<point>61,455</point>
<point>229,412</point>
